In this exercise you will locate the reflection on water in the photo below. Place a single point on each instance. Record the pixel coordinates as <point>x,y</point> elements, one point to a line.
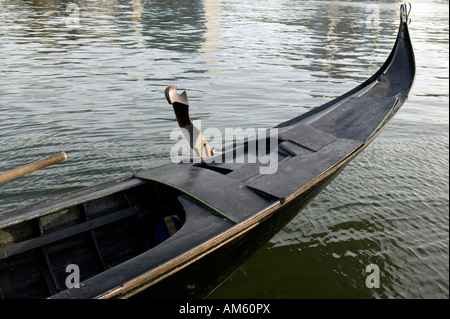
<point>213,32</point>
<point>91,83</point>
<point>136,17</point>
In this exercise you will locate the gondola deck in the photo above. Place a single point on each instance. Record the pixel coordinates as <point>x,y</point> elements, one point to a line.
<point>180,229</point>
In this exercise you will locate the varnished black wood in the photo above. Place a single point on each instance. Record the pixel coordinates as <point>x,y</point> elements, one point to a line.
<point>115,231</point>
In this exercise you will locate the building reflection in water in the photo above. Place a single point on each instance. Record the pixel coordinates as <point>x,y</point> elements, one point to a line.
<point>332,38</point>
<point>213,34</point>
<point>136,19</point>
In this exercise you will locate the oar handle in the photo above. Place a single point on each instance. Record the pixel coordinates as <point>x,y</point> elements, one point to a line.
<point>26,169</point>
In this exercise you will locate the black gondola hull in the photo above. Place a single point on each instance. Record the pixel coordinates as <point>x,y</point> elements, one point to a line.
<point>181,229</point>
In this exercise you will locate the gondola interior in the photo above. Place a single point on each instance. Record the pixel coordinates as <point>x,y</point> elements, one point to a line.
<point>94,235</point>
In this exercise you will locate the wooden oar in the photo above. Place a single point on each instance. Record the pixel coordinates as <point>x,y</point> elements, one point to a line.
<point>26,169</point>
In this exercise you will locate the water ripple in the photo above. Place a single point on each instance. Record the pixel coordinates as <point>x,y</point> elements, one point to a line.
<point>96,91</point>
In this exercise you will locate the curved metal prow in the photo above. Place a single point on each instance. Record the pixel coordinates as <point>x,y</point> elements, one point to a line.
<point>405,10</point>
<point>195,137</point>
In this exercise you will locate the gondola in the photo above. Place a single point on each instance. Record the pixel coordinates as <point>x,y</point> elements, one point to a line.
<point>179,230</point>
